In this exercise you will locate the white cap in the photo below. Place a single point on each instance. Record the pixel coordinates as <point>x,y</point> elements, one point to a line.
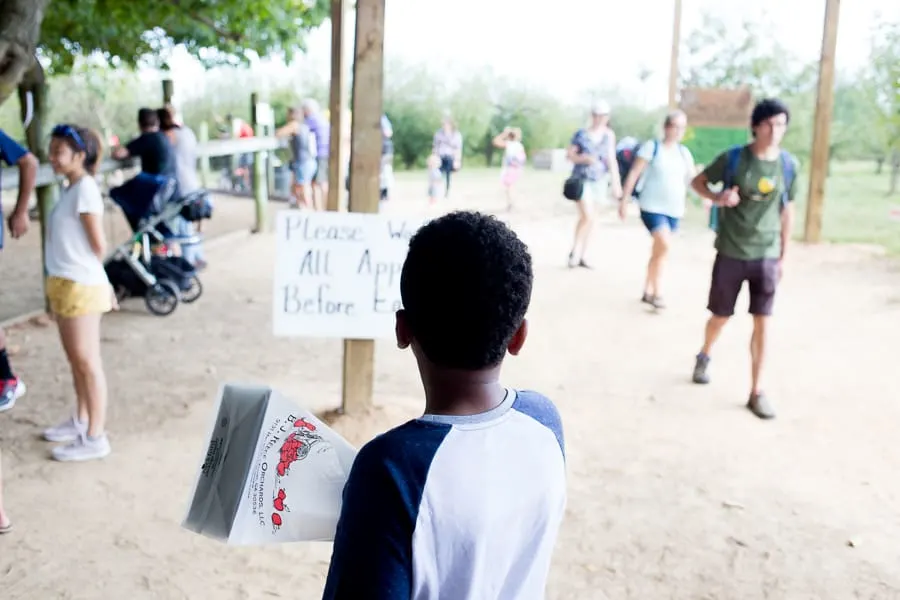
<point>600,107</point>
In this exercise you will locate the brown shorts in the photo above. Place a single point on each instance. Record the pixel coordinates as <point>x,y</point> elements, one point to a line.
<point>728,277</point>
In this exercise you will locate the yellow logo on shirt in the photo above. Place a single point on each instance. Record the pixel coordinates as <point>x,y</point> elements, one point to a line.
<point>766,185</point>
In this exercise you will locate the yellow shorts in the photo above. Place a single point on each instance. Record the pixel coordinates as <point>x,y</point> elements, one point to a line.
<point>69,299</point>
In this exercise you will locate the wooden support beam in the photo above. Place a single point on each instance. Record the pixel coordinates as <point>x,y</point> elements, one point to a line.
<point>818,169</point>
<point>259,180</point>
<point>168,91</point>
<point>365,165</point>
<point>673,65</point>
<point>337,103</point>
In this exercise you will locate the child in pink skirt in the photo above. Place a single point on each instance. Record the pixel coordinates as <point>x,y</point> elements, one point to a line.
<point>510,139</point>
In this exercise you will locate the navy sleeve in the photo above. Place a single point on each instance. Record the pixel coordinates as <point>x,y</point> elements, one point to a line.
<point>372,557</point>
<point>541,409</point>
<point>10,152</point>
<point>578,141</point>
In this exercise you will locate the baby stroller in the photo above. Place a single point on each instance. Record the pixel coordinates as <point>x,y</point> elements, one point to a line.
<point>144,266</point>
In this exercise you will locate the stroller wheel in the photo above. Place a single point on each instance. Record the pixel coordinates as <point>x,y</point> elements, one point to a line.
<point>162,298</point>
<point>193,293</point>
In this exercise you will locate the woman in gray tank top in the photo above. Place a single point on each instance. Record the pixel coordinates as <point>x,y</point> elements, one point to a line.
<point>302,143</point>
<point>184,151</point>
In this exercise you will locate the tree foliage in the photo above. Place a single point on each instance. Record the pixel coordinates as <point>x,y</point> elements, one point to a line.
<point>718,55</point>
<point>144,32</point>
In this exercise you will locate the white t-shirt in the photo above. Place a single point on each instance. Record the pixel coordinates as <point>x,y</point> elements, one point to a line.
<point>514,154</point>
<point>67,251</point>
<point>463,508</point>
<point>665,178</point>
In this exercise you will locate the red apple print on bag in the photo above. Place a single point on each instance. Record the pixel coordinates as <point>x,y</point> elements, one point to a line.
<point>304,424</point>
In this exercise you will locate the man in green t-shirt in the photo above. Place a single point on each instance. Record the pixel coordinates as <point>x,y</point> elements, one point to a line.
<point>756,215</point>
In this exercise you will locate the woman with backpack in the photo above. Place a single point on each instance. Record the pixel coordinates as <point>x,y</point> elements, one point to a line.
<point>659,179</point>
<point>593,155</point>
<point>304,155</point>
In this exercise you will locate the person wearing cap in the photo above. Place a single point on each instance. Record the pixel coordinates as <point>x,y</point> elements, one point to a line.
<point>592,153</point>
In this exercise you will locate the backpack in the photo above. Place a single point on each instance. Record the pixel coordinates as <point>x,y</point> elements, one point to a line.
<point>625,159</point>
<point>731,164</point>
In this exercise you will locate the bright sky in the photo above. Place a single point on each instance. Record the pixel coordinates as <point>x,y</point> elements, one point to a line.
<point>585,44</point>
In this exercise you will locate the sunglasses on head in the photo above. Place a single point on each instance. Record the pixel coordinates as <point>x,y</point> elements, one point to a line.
<point>67,131</point>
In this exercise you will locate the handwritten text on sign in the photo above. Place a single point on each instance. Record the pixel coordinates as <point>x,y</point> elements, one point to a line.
<point>338,274</point>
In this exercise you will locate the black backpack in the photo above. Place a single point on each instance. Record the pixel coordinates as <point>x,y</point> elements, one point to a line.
<point>625,159</point>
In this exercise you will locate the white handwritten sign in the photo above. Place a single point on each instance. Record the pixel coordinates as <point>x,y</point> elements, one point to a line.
<point>338,274</point>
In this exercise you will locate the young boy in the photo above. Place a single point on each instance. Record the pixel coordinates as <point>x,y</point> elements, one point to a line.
<point>465,501</point>
<point>754,233</point>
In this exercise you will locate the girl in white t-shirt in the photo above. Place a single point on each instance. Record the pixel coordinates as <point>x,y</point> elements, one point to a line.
<point>510,140</point>
<point>78,290</point>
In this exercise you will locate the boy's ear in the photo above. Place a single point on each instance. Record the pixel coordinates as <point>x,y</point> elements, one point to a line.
<point>401,329</point>
<point>518,338</point>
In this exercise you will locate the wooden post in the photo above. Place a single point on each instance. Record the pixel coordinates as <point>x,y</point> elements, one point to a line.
<point>818,170</point>
<point>673,65</point>
<point>336,102</point>
<point>205,171</point>
<point>365,165</point>
<point>35,83</point>
<point>168,91</point>
<point>260,182</point>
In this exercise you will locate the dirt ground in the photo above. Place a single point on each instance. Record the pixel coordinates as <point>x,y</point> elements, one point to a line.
<point>675,491</point>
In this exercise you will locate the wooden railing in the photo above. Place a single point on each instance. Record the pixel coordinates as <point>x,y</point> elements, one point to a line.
<point>260,147</point>
<point>205,151</point>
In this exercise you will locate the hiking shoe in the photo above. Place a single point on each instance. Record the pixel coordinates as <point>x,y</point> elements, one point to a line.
<point>11,391</point>
<point>760,406</point>
<point>67,431</point>
<point>83,448</point>
<point>700,375</point>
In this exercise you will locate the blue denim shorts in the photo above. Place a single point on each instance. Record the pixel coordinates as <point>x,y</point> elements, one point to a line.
<point>653,221</point>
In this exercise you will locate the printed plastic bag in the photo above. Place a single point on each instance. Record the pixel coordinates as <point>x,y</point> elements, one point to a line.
<point>272,472</point>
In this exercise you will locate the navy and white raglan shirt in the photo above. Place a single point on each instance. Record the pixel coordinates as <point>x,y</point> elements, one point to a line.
<point>455,507</point>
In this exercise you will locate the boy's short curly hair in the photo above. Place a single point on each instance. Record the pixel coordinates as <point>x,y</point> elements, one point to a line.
<point>465,285</point>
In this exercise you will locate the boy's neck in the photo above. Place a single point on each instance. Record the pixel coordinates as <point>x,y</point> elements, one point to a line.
<point>764,151</point>
<point>455,392</point>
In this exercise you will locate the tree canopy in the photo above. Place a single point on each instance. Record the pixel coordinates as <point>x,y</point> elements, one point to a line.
<point>141,32</point>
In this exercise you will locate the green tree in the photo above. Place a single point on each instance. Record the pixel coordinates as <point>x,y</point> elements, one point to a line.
<point>412,101</point>
<point>55,34</point>
<point>885,90</point>
<point>718,55</point>
<point>140,32</point>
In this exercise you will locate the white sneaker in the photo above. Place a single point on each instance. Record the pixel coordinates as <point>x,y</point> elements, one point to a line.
<point>83,448</point>
<point>10,391</point>
<point>67,431</point>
